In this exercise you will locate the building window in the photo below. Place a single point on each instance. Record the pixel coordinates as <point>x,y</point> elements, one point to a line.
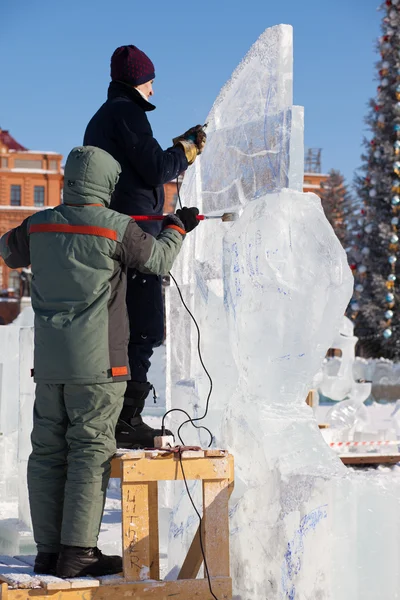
<point>53,165</point>
<point>15,195</point>
<point>38,195</point>
<point>4,163</point>
<point>26,163</point>
<point>13,282</point>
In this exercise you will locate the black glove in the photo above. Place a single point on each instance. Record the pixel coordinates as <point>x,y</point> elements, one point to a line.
<point>188,217</point>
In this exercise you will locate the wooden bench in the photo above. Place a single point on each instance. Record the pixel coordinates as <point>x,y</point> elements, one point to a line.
<point>140,472</point>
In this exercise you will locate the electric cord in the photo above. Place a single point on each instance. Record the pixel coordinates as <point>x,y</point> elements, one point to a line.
<point>200,527</point>
<point>192,420</point>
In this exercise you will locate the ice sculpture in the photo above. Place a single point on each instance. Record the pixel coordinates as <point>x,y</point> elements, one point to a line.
<point>269,293</point>
<point>338,379</point>
<point>16,403</point>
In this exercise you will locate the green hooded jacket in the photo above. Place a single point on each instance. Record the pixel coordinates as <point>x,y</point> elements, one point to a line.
<point>79,253</point>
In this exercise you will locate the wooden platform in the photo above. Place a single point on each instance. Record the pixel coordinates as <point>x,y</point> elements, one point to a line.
<point>369,459</point>
<point>140,472</point>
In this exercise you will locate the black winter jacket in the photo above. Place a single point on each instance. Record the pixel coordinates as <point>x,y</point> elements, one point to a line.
<point>121,128</point>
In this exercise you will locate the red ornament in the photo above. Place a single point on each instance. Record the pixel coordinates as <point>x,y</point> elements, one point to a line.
<point>368,179</point>
<point>388,3</point>
<point>353,266</point>
<point>377,108</point>
<point>372,142</point>
<point>363,212</point>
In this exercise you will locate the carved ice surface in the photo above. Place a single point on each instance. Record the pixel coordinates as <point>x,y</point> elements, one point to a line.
<point>269,292</point>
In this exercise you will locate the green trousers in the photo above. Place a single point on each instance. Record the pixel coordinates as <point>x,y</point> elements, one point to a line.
<point>73,441</point>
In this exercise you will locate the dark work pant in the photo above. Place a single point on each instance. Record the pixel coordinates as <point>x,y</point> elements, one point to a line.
<point>73,442</point>
<point>146,321</point>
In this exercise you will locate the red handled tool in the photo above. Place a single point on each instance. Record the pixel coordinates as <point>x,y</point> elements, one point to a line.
<point>230,216</point>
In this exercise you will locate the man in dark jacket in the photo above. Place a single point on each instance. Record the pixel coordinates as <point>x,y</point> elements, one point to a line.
<point>121,128</point>
<point>79,253</point>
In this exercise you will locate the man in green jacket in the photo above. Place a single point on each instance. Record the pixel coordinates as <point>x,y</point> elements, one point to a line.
<point>80,252</point>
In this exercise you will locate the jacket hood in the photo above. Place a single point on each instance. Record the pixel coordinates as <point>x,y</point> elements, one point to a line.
<point>90,176</point>
<point>120,89</point>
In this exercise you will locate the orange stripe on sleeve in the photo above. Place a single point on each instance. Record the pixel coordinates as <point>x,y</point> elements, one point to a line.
<point>80,229</point>
<point>182,231</point>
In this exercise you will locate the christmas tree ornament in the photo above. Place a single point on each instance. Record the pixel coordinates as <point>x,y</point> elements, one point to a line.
<point>359,288</point>
<point>372,192</point>
<point>396,186</point>
<point>389,314</point>
<point>397,107</point>
<point>394,239</point>
<point>395,200</point>
<point>385,81</point>
<point>395,221</point>
<point>396,127</point>
<point>392,277</point>
<point>389,297</point>
<point>396,145</point>
<point>377,154</point>
<point>392,259</point>
<point>385,64</point>
<point>362,269</point>
<point>396,167</point>
<point>387,333</point>
<point>368,228</point>
<point>374,181</point>
<point>381,119</point>
<point>365,251</point>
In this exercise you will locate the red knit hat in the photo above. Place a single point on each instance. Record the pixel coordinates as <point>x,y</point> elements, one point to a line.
<point>131,65</point>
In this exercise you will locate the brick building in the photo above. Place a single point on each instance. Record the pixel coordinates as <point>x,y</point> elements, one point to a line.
<point>312,182</point>
<point>30,180</point>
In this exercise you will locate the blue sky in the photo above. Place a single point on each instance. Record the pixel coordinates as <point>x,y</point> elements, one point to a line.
<point>54,68</point>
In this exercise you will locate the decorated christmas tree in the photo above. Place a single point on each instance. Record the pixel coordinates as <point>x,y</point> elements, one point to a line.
<point>375,306</point>
<point>336,202</point>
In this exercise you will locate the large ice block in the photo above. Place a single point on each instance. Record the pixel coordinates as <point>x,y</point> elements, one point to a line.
<point>269,293</point>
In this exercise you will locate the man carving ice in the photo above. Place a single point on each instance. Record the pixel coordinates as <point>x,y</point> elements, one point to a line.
<point>121,128</point>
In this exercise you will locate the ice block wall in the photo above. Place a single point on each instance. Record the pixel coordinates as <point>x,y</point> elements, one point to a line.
<point>269,292</point>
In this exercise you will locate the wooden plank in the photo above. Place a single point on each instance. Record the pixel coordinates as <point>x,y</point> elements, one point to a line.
<point>3,591</point>
<point>159,590</point>
<point>168,469</point>
<point>83,582</point>
<point>20,580</point>
<point>112,580</point>
<point>49,582</point>
<point>194,558</point>
<point>370,459</point>
<point>215,452</point>
<point>153,531</point>
<point>216,526</point>
<point>135,530</point>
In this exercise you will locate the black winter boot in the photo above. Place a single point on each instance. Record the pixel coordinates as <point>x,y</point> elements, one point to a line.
<point>45,563</point>
<point>74,561</point>
<point>134,434</point>
<point>131,432</point>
